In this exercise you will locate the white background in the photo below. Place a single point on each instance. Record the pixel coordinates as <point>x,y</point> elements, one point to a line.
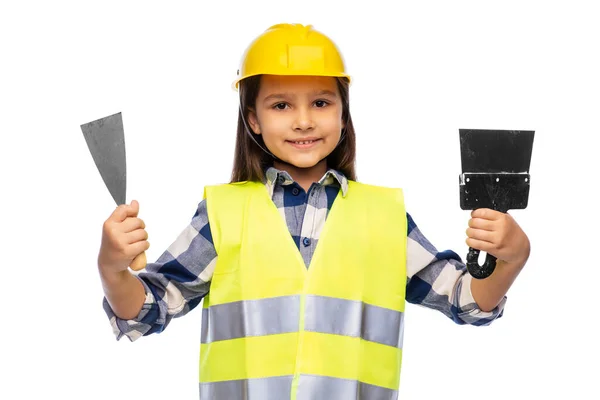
<point>421,71</point>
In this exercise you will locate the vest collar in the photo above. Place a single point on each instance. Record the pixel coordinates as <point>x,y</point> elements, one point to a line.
<point>274,176</point>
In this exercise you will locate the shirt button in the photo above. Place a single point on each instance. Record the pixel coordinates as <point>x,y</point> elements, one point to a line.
<point>306,242</point>
<point>295,191</point>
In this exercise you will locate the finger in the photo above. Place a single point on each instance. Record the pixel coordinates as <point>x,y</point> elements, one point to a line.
<point>486,213</point>
<point>479,245</point>
<point>131,224</point>
<point>136,236</point>
<point>125,210</point>
<point>480,223</point>
<point>480,234</point>
<point>138,248</point>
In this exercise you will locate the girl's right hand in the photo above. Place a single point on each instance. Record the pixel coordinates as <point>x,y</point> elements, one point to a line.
<point>123,238</point>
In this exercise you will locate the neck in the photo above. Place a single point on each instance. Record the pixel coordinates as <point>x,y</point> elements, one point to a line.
<point>304,176</point>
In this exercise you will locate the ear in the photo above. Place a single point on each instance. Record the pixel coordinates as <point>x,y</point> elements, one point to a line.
<point>253,121</point>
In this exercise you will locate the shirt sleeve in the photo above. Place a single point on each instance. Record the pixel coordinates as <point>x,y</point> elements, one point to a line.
<point>175,284</point>
<point>440,281</point>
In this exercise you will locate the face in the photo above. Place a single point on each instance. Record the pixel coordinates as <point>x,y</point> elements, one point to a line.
<point>299,118</point>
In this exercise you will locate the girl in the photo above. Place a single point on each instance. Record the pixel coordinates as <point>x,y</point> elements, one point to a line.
<point>304,271</point>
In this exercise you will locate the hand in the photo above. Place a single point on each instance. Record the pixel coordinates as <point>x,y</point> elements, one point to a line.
<point>498,234</point>
<point>123,238</point>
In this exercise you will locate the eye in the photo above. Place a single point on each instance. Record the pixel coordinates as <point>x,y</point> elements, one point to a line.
<point>280,106</point>
<point>321,103</point>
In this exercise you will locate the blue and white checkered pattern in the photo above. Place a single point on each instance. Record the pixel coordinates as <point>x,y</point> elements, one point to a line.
<point>176,283</point>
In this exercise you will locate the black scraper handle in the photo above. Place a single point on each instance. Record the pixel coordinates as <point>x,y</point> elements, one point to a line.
<point>480,271</point>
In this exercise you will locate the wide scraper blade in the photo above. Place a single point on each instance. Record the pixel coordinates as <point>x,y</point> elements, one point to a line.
<point>495,169</point>
<point>492,151</point>
<point>106,142</point>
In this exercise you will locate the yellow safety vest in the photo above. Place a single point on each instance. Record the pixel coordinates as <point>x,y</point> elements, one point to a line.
<point>273,329</point>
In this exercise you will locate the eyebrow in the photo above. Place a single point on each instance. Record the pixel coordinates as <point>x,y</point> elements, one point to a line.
<point>277,96</point>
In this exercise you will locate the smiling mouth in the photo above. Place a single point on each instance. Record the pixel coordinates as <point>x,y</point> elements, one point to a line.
<point>303,141</point>
<point>303,144</point>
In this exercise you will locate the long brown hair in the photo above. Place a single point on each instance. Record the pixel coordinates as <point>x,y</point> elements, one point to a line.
<point>250,160</point>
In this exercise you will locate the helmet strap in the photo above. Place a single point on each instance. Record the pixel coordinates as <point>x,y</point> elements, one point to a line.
<point>249,131</point>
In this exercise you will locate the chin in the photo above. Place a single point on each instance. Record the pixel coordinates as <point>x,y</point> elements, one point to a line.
<point>303,163</point>
<point>306,163</point>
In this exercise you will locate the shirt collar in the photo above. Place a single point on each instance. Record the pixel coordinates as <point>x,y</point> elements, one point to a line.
<point>274,176</point>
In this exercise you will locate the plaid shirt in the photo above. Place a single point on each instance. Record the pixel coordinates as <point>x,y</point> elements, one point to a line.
<point>176,283</point>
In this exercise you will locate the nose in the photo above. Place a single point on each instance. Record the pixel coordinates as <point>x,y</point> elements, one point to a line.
<point>304,120</point>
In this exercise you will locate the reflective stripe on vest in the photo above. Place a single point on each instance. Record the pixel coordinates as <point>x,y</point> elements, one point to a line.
<point>273,329</point>
<point>282,315</point>
<point>310,388</point>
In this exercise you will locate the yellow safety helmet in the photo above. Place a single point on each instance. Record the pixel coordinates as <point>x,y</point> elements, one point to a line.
<point>291,49</point>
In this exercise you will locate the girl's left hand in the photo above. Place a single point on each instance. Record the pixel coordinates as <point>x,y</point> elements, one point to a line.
<point>498,234</point>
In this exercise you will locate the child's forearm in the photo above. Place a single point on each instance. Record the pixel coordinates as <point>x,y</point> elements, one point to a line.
<point>490,291</point>
<point>124,292</point>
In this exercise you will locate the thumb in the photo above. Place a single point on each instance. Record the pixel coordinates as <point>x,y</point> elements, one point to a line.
<point>135,207</point>
<point>125,210</point>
